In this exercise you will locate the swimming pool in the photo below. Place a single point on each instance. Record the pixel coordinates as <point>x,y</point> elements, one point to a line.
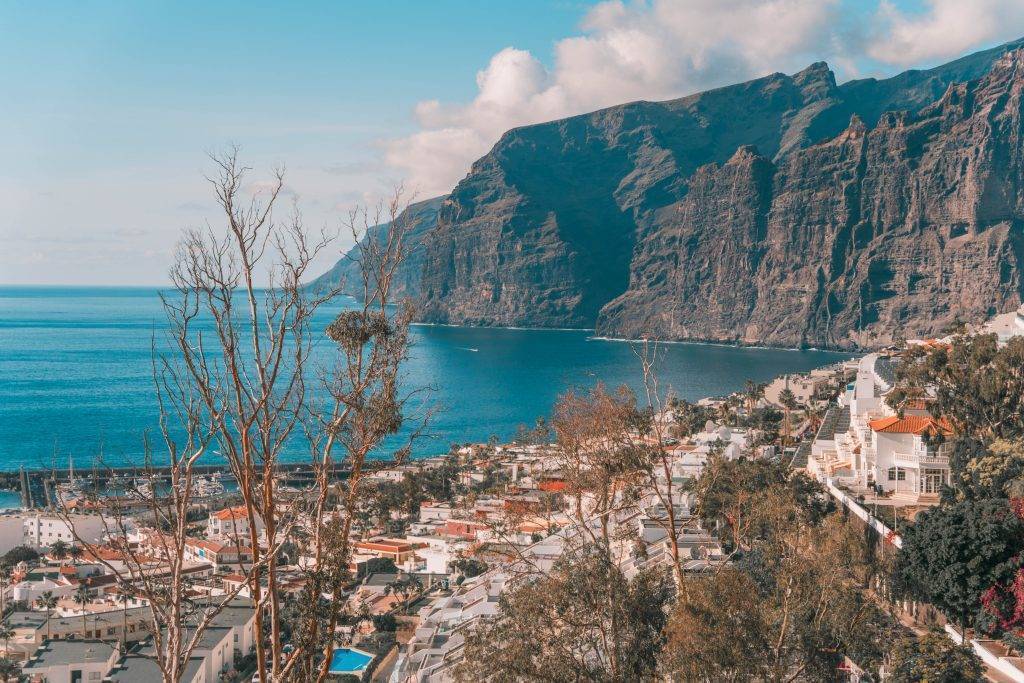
<point>348,660</point>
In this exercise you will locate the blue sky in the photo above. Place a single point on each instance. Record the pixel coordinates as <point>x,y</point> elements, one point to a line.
<point>108,108</point>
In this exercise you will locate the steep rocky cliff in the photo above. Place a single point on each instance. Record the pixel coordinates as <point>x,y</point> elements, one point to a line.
<point>877,233</point>
<point>788,210</point>
<point>417,219</point>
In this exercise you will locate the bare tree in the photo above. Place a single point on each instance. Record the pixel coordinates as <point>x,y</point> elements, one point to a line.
<point>241,380</point>
<point>364,405</point>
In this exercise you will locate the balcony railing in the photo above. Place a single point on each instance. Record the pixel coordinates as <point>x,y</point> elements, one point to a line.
<point>921,458</point>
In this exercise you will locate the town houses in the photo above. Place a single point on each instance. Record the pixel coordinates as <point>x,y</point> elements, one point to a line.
<point>437,542</point>
<point>893,453</point>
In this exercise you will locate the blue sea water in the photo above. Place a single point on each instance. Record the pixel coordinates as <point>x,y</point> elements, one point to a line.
<point>76,378</point>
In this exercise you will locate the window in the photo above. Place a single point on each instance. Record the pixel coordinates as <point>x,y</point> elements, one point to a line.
<point>896,474</point>
<point>94,675</point>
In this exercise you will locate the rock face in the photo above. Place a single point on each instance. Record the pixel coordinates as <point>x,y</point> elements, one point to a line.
<point>788,210</point>
<point>895,230</point>
<point>417,219</point>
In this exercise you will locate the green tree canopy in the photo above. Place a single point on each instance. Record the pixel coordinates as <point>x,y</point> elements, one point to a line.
<point>582,621</point>
<point>933,658</point>
<point>978,385</point>
<point>18,554</point>
<point>955,552</point>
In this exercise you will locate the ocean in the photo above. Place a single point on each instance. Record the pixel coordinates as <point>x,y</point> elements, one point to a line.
<point>76,379</point>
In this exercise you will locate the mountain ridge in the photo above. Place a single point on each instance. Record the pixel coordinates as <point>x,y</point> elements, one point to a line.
<point>786,210</point>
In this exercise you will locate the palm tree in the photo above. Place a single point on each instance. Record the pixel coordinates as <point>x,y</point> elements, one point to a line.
<point>82,597</point>
<point>724,412</point>
<point>9,670</point>
<point>6,633</point>
<point>75,552</point>
<point>404,587</point>
<point>815,416</point>
<point>754,392</point>
<point>788,401</point>
<point>5,582</point>
<point>47,601</point>
<point>59,550</point>
<point>124,596</point>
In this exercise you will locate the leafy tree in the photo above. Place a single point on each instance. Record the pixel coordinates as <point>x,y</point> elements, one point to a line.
<point>584,620</point>
<point>537,435</point>
<point>385,622</point>
<point>994,472</point>
<point>469,566</point>
<point>733,494</point>
<point>9,670</point>
<point>789,609</point>
<point>716,631</point>
<point>955,552</point>
<point>978,386</point>
<point>933,658</point>
<point>59,550</point>
<point>18,554</point>
<point>689,418</point>
<point>1003,607</point>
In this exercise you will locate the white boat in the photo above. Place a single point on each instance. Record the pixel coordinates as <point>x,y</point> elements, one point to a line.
<point>206,487</point>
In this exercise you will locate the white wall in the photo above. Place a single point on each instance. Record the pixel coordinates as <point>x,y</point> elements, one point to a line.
<point>42,531</point>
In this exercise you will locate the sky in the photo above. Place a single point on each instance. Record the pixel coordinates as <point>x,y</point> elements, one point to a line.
<point>108,110</point>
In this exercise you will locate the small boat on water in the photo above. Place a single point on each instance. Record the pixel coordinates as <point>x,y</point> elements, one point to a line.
<point>206,487</point>
<point>72,488</point>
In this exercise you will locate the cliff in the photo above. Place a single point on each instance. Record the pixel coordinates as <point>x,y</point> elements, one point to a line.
<point>788,210</point>
<point>418,218</point>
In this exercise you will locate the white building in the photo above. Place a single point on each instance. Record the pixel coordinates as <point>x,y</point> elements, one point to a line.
<point>732,441</point>
<point>1006,326</point>
<point>29,591</point>
<point>81,661</point>
<point>431,511</point>
<point>231,523</point>
<point>42,530</point>
<point>864,444</point>
<point>899,459</point>
<point>72,661</point>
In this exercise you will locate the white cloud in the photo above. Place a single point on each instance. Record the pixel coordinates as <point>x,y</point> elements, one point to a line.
<point>626,52</point>
<point>665,49</point>
<point>944,29</point>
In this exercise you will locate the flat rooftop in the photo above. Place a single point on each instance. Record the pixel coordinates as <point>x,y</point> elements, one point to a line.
<point>64,652</point>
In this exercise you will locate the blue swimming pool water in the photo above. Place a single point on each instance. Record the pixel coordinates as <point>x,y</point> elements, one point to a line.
<point>345,660</point>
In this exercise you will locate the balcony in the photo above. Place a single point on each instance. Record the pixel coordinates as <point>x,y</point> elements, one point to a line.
<point>920,458</point>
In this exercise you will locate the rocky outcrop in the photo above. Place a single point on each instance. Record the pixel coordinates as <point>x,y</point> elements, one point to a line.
<point>788,210</point>
<point>417,219</point>
<point>893,231</point>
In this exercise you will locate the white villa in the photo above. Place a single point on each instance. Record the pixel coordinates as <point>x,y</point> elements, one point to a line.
<point>866,445</point>
<point>1006,325</point>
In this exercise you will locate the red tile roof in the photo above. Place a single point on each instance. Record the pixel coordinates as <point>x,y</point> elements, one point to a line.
<point>910,424</point>
<point>228,514</point>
